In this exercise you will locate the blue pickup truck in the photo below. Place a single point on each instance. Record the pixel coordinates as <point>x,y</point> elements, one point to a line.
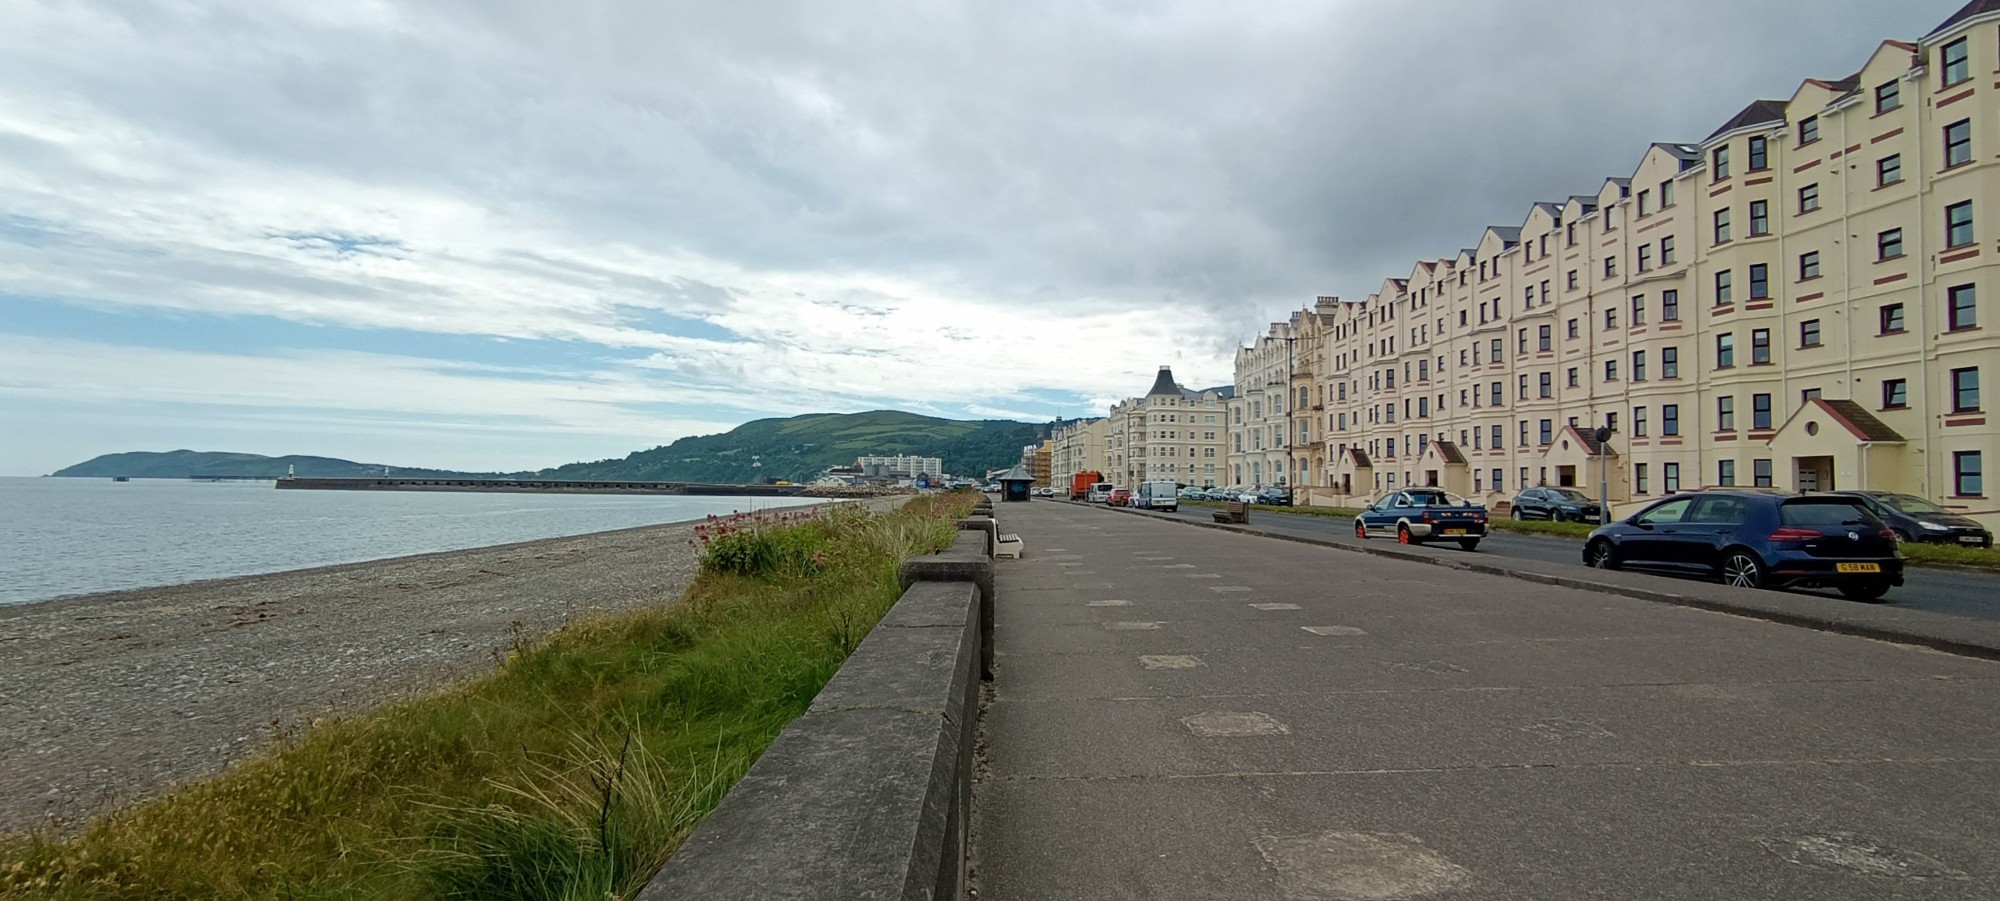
<point>1417,515</point>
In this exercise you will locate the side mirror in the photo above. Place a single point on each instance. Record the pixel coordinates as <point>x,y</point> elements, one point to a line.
<point>1643,524</point>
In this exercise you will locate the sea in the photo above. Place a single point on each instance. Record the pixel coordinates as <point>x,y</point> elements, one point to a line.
<point>68,536</point>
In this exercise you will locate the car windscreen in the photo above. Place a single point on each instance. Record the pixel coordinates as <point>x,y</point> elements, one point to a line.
<point>1909,503</point>
<point>1435,499</point>
<point>1570,494</point>
<point>1815,512</point>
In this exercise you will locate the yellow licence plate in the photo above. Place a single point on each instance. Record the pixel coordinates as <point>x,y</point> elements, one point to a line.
<point>1454,531</point>
<point>1857,567</point>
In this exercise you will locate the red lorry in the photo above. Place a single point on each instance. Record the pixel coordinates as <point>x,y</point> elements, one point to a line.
<point>1079,484</point>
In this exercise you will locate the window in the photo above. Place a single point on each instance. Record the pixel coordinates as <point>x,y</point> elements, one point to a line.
<point>1670,305</point>
<point>1611,370</point>
<point>1966,474</point>
<point>1889,170</point>
<point>1965,390</point>
<point>1725,350</point>
<point>1638,366</point>
<point>1955,62</point>
<point>1547,385</point>
<point>1666,194</point>
<point>1496,351</point>
<point>1645,257</point>
<point>1725,413</point>
<point>1760,346</point>
<point>1638,310</point>
<point>1958,143</point>
<point>1760,217</point>
<point>1809,265</point>
<point>1572,279</point>
<point>1725,473</point>
<point>1545,282</point>
<point>1496,395</point>
<point>1498,441</point>
<point>1639,478</point>
<point>1759,153</point>
<point>1958,224</point>
<point>1722,225</point>
<point>1572,377</point>
<point>1725,289</point>
<point>1610,266</point>
<point>1548,431</point>
<point>1542,341</point>
<point>1961,309</point>
<point>1760,281</point>
<point>1718,162</point>
<point>1760,411</point>
<point>1644,207</point>
<point>1889,244</point>
<point>1572,328</point>
<point>1638,422</point>
<point>1888,96</point>
<point>1670,362</point>
<point>1892,318</point>
<point>1808,129</point>
<point>1670,419</point>
<point>1610,318</point>
<point>1760,473</point>
<point>1670,477</point>
<point>1809,198</point>
<point>1895,394</point>
<point>1809,333</point>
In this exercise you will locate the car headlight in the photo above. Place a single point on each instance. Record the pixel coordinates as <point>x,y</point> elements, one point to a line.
<point>1934,527</point>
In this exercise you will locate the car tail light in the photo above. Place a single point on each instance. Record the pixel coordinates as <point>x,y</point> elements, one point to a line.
<point>1887,533</point>
<point>1791,534</point>
<point>1424,518</point>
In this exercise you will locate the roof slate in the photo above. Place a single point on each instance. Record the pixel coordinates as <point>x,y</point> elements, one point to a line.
<point>1759,112</point>
<point>1858,420</point>
<point>1975,8</point>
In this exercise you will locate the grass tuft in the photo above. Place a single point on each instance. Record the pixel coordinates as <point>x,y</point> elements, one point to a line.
<point>570,772</point>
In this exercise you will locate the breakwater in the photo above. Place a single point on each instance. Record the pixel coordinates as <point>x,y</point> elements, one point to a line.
<point>542,486</point>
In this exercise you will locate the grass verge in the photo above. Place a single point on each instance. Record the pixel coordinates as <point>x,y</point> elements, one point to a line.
<point>1987,559</point>
<point>571,772</point>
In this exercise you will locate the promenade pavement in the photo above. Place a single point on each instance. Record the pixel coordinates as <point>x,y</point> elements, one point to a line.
<point>1192,713</point>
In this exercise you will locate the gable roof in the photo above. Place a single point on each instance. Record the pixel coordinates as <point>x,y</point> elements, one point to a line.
<point>1588,441</point>
<point>1449,452</point>
<point>1360,458</point>
<point>1759,112</point>
<point>1856,419</point>
<point>1975,8</point>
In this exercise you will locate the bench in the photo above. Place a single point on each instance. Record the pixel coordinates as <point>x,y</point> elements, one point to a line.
<point>1235,511</point>
<point>1008,546</point>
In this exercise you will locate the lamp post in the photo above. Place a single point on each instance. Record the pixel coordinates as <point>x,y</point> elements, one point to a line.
<point>1289,372</point>
<point>1603,436</point>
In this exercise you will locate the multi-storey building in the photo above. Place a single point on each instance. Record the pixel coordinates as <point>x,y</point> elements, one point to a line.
<point>1171,433</point>
<point>1078,446</point>
<point>1793,302</point>
<point>901,466</point>
<point>1259,424</point>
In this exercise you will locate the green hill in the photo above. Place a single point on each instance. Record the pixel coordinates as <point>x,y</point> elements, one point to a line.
<point>183,464</point>
<point>799,447</point>
<point>795,449</point>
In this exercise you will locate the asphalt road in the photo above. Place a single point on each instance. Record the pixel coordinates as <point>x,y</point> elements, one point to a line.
<point>1192,713</point>
<point>1951,592</point>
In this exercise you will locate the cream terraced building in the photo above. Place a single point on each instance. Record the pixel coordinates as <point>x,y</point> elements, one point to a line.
<point>1802,300</point>
<point>1170,433</point>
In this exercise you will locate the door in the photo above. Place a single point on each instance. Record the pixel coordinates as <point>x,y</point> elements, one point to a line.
<point>1814,473</point>
<point>1650,541</point>
<point>1566,476</point>
<point>1711,524</point>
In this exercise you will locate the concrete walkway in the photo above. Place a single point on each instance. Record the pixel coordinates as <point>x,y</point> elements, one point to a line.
<point>1190,713</point>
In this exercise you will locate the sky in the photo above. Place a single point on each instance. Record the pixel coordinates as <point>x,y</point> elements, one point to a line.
<point>509,234</point>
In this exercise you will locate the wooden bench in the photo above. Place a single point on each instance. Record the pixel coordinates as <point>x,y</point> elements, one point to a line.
<point>1008,546</point>
<point>1235,511</point>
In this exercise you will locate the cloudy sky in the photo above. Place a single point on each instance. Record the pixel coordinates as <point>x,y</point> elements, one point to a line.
<point>507,234</point>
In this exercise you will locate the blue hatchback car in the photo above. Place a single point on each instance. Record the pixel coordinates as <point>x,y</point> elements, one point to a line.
<point>1757,539</point>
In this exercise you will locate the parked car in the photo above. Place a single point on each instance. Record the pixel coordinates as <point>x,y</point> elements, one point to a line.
<point>1099,493</point>
<point>1194,493</point>
<point>1914,519</point>
<point>1045,491</point>
<point>1557,505</point>
<point>1757,539</point>
<point>1157,494</point>
<point>1119,497</point>
<point>1273,497</point>
<point>1417,515</point>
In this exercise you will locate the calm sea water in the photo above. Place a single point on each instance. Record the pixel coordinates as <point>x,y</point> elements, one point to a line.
<point>73,536</point>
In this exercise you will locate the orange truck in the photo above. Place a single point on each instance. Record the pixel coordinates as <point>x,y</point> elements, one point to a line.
<point>1079,484</point>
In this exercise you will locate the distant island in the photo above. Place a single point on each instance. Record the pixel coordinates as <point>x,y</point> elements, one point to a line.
<point>794,449</point>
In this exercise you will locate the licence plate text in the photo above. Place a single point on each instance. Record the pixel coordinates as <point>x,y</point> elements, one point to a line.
<point>1454,531</point>
<point>1857,567</point>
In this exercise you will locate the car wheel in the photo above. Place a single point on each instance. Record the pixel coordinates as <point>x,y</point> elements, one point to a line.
<point>1517,515</point>
<point>1902,535</point>
<point>1866,592</point>
<point>1403,533</point>
<point>1470,544</point>
<point>1742,569</point>
<point>1360,530</point>
<point>1602,555</point>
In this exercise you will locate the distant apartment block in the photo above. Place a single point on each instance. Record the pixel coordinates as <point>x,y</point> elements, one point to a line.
<point>1801,300</point>
<point>1169,433</point>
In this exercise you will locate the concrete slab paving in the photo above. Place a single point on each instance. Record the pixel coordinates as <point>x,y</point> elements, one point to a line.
<point>1414,731</point>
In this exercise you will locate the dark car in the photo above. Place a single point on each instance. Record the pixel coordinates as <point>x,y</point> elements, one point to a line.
<point>1557,504</point>
<point>1417,515</point>
<point>1914,519</point>
<point>1755,539</point>
<point>1274,497</point>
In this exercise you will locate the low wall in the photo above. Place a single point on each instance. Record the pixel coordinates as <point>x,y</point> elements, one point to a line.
<point>867,795</point>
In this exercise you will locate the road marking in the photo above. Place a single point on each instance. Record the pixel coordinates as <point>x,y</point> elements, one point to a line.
<point>1228,588</point>
<point>1276,606</point>
<point>1114,602</point>
<point>1170,661</point>
<point>1204,575</point>
<point>1358,866</point>
<point>1333,630</point>
<point>1233,724</point>
<point>1433,667</point>
<point>1132,626</point>
<point>1178,566</point>
<point>1559,729</point>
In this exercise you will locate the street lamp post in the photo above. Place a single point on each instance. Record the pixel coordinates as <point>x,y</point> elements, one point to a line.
<point>1289,412</point>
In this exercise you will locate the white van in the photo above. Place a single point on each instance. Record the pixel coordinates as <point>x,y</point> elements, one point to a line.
<point>1160,494</point>
<point>1100,492</point>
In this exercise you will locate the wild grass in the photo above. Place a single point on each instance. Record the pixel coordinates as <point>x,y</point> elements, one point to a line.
<point>570,772</point>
